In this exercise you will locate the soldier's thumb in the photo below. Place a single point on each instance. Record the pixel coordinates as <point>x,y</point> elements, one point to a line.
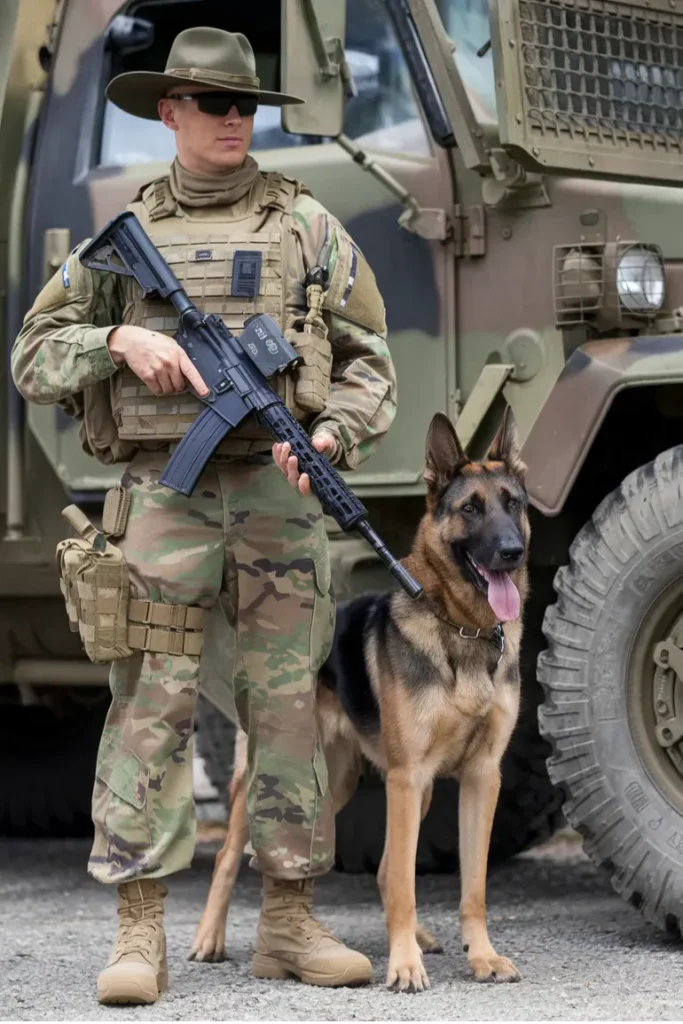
<point>192,375</point>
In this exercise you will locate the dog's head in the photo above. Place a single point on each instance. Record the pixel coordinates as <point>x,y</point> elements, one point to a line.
<point>477,514</point>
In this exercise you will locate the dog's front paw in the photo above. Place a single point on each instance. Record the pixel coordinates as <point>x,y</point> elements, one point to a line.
<point>493,968</point>
<point>406,973</point>
<point>209,943</point>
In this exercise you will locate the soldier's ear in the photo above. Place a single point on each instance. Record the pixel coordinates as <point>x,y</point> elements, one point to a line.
<point>506,448</point>
<point>444,455</point>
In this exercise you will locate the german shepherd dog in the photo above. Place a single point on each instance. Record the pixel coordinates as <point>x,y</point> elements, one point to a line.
<point>423,688</point>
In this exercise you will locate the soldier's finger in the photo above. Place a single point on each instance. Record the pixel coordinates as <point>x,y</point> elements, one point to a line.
<point>280,462</point>
<point>305,485</point>
<point>153,384</point>
<point>192,375</point>
<point>176,377</point>
<point>293,470</point>
<point>165,383</point>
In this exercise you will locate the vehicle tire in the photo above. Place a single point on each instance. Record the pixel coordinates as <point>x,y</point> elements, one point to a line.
<point>607,701</point>
<point>47,765</point>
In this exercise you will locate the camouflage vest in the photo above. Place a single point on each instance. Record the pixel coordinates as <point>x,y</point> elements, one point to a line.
<point>200,245</point>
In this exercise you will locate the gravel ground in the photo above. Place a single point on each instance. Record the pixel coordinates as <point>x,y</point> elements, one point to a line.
<point>582,952</point>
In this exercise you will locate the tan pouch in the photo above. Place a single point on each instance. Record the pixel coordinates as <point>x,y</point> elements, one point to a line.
<point>313,378</point>
<point>94,582</point>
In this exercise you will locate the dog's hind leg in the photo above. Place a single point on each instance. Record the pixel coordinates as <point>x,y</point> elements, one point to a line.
<point>479,788</point>
<point>427,942</point>
<point>209,940</point>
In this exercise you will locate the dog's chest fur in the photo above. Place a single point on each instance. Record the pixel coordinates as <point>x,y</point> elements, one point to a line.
<point>449,687</point>
<point>413,688</point>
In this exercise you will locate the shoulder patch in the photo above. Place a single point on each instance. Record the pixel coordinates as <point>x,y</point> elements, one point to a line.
<point>66,280</point>
<point>353,291</point>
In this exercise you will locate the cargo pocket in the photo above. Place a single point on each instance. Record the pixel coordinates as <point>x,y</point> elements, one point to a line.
<point>120,800</point>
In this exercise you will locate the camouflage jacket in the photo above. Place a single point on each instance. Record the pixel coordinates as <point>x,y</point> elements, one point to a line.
<point>61,351</point>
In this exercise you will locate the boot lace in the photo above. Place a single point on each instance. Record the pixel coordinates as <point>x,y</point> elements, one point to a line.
<point>310,925</point>
<point>139,921</point>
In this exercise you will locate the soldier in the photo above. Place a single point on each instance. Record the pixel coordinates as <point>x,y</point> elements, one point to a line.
<point>241,241</point>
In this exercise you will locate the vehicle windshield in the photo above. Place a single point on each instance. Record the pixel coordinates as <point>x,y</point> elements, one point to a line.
<point>467,24</point>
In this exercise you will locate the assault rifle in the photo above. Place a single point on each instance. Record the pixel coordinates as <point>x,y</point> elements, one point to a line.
<point>236,371</point>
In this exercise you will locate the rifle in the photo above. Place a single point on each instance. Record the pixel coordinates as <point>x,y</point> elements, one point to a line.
<point>236,371</point>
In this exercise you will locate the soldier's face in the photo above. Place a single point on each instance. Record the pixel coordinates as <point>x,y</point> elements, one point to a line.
<point>206,143</point>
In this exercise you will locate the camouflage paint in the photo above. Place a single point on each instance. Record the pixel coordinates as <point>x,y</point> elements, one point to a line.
<point>591,378</point>
<point>247,534</point>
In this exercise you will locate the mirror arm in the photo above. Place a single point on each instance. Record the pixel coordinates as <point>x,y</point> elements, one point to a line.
<point>324,48</point>
<point>431,223</point>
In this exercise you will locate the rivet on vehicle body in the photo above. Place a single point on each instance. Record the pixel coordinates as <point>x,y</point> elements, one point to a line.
<point>518,118</point>
<point>506,233</point>
<point>535,151</point>
<point>662,707</point>
<point>591,161</point>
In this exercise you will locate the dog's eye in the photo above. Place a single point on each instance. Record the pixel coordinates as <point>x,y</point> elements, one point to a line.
<point>513,504</point>
<point>468,508</point>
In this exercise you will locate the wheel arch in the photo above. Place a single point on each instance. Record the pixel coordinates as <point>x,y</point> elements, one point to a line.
<point>597,379</point>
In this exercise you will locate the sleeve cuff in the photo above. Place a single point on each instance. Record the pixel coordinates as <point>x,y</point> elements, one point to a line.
<point>95,344</point>
<point>345,455</point>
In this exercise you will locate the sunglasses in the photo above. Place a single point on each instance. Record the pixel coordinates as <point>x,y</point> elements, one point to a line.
<point>219,104</point>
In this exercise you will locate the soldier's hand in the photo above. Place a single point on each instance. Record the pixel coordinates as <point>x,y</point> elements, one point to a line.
<point>289,464</point>
<point>156,359</point>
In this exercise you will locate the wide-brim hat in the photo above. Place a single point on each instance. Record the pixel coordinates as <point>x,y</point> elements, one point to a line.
<point>199,56</point>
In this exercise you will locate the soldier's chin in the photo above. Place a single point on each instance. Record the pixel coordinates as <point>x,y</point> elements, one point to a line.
<point>226,156</point>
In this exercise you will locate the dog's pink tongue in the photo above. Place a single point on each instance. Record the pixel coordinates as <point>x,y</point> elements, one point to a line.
<point>503,596</point>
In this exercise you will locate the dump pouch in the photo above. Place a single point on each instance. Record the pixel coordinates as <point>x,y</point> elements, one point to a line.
<point>95,585</point>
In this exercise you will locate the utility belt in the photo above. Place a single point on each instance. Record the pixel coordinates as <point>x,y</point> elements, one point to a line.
<point>96,589</point>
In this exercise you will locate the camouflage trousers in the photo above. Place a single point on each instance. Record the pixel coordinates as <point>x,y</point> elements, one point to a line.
<point>249,537</point>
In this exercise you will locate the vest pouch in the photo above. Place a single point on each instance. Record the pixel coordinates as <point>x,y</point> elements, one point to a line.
<point>96,589</point>
<point>312,378</point>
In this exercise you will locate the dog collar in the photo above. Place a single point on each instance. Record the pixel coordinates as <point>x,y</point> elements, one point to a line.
<point>496,636</point>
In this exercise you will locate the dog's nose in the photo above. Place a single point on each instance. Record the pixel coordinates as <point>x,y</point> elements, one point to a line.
<point>509,556</point>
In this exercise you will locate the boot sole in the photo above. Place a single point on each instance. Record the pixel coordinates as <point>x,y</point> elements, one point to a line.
<point>269,967</point>
<point>122,988</point>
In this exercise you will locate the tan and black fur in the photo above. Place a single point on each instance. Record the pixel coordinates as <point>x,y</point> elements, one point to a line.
<point>404,687</point>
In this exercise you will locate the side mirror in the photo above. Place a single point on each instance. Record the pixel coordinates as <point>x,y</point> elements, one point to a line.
<point>314,66</point>
<point>128,35</point>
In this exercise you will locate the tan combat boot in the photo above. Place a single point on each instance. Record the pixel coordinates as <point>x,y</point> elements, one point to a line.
<point>291,942</point>
<point>136,970</point>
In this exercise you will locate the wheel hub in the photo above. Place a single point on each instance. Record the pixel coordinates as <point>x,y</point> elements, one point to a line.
<point>667,695</point>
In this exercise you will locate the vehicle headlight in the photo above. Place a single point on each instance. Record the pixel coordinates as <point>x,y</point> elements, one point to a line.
<point>640,281</point>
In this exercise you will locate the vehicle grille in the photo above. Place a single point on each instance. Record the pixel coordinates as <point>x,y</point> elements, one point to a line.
<point>611,73</point>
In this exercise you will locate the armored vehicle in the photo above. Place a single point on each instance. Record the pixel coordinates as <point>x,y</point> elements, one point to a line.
<point>512,171</point>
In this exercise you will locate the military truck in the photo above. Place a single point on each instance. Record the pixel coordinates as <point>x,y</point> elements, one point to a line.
<point>511,170</point>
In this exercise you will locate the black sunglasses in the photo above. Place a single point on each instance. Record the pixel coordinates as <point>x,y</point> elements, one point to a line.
<point>221,103</point>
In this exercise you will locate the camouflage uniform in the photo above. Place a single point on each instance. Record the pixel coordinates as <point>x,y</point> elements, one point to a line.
<point>244,531</point>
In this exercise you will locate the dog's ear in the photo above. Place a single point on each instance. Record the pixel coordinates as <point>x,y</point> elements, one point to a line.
<point>505,447</point>
<point>443,454</point>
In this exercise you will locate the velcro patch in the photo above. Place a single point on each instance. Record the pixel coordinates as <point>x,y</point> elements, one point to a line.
<point>246,273</point>
<point>203,254</point>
